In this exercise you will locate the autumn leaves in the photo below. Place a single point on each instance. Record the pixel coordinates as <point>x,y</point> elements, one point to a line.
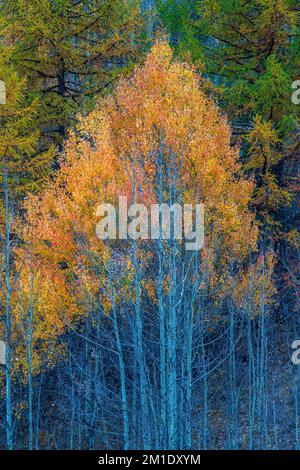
<point>157,139</point>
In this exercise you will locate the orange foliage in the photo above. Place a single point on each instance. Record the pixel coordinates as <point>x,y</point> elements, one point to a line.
<point>160,109</point>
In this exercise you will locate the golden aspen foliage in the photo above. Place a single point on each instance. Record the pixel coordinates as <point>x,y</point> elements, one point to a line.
<point>161,108</point>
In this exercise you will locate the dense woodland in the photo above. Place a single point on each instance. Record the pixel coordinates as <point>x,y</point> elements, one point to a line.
<point>141,344</point>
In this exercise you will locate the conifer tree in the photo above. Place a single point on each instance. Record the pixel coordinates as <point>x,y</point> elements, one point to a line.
<point>22,165</point>
<point>70,51</point>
